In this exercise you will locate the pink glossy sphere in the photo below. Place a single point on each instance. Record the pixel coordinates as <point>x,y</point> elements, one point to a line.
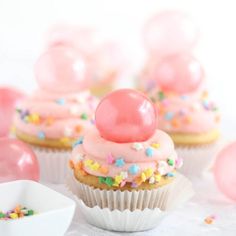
<point>8,100</point>
<point>17,161</point>
<point>170,32</point>
<point>61,69</point>
<point>178,73</point>
<point>224,171</point>
<point>126,115</point>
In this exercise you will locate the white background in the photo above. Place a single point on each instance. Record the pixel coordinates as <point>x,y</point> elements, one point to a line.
<point>23,24</point>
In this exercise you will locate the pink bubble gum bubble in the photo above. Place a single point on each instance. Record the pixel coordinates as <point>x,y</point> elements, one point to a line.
<point>17,161</point>
<point>224,171</point>
<point>126,115</point>
<point>61,69</point>
<point>8,100</point>
<point>170,32</point>
<point>178,73</point>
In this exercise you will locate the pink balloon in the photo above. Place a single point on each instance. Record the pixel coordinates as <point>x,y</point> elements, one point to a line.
<point>17,161</point>
<point>126,115</point>
<point>8,99</point>
<point>178,73</point>
<point>224,171</point>
<point>170,32</point>
<point>61,69</point>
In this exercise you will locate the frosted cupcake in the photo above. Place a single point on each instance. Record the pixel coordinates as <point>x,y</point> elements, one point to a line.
<point>186,112</point>
<point>125,158</point>
<point>57,114</point>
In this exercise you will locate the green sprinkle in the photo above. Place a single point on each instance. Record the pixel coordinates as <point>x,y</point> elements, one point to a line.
<point>101,179</point>
<point>161,95</point>
<point>84,116</point>
<point>2,215</point>
<point>30,213</point>
<point>170,162</point>
<point>109,181</point>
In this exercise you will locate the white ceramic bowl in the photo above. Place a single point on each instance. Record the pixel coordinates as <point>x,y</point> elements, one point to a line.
<point>55,211</point>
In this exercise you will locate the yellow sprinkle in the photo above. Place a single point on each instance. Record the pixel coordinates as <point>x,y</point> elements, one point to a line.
<point>118,179</point>
<point>143,177</point>
<point>88,162</point>
<point>13,216</point>
<point>155,145</point>
<point>65,140</point>
<point>148,172</point>
<point>157,178</point>
<point>116,184</point>
<point>95,166</point>
<point>34,118</point>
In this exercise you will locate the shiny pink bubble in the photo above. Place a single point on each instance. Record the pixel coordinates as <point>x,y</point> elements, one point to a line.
<point>170,32</point>
<point>17,161</point>
<point>61,69</point>
<point>126,115</point>
<point>178,73</point>
<point>224,171</point>
<point>8,100</point>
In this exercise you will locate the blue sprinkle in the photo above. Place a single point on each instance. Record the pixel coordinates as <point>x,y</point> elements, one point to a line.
<point>41,135</point>
<point>149,152</point>
<point>120,162</point>
<point>133,170</point>
<point>169,115</point>
<point>170,174</point>
<point>78,142</point>
<point>61,101</point>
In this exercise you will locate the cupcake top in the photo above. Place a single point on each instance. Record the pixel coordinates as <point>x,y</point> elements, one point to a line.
<point>54,115</point>
<point>186,113</point>
<point>128,152</point>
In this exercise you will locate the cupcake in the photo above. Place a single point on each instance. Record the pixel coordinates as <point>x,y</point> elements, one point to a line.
<point>125,165</point>
<point>185,110</point>
<point>57,114</point>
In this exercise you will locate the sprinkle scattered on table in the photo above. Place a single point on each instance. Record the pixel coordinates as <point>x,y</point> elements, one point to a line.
<point>210,219</point>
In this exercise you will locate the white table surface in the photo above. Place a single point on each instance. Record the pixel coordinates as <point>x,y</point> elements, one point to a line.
<point>185,221</point>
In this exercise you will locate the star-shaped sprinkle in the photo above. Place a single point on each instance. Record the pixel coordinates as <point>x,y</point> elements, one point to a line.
<point>119,162</point>
<point>133,169</point>
<point>149,152</point>
<point>41,135</point>
<point>61,101</point>
<point>137,146</point>
<point>162,167</point>
<point>110,159</point>
<point>168,115</point>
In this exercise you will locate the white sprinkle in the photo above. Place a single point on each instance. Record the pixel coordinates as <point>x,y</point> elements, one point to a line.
<point>124,174</point>
<point>162,167</point>
<point>137,146</point>
<point>152,180</point>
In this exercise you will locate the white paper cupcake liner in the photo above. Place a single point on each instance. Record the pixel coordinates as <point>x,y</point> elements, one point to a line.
<point>198,160</point>
<point>53,164</point>
<point>129,210</point>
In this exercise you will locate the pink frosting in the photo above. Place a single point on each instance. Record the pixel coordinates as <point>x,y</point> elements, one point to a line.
<point>98,150</point>
<point>190,113</point>
<point>64,109</point>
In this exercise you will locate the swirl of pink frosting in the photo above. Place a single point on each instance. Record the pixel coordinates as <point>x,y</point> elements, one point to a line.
<point>190,113</point>
<point>55,115</point>
<point>108,154</point>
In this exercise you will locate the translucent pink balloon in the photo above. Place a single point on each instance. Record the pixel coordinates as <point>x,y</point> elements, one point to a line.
<point>178,73</point>
<point>17,161</point>
<point>125,116</point>
<point>8,99</point>
<point>170,32</point>
<point>224,171</point>
<point>61,69</point>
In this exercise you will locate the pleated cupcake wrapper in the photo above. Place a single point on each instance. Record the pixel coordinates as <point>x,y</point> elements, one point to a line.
<point>53,164</point>
<point>199,159</point>
<point>129,210</point>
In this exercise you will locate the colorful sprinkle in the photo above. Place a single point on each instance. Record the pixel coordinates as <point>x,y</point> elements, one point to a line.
<point>110,159</point>
<point>162,167</point>
<point>34,118</point>
<point>170,174</point>
<point>104,170</point>
<point>152,180</point>
<point>161,95</point>
<point>65,140</point>
<point>41,135</point>
<point>16,213</point>
<point>178,163</point>
<point>61,101</point>
<point>155,145</point>
<point>119,162</point>
<point>78,128</point>
<point>124,174</point>
<point>133,169</point>
<point>84,116</point>
<point>170,162</point>
<point>210,219</point>
<point>109,181</point>
<point>149,152</point>
<point>95,166</point>
<point>157,178</point>
<point>78,142</point>
<point>169,115</point>
<point>137,146</point>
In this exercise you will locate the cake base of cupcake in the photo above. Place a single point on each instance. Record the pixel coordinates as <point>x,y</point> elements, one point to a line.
<point>195,139</point>
<point>65,143</point>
